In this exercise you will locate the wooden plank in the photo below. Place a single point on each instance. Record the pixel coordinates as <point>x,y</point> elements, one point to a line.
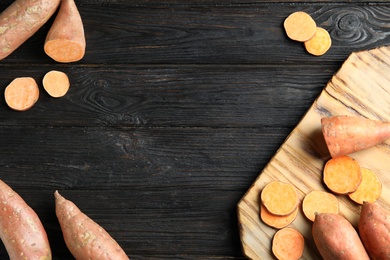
<point>359,88</point>
<point>220,34</point>
<point>145,96</point>
<point>162,191</point>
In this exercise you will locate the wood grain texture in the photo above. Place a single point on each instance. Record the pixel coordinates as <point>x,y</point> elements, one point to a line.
<point>221,34</point>
<point>361,88</point>
<point>171,115</point>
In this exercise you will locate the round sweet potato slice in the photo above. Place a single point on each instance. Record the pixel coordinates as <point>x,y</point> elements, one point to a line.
<point>279,198</point>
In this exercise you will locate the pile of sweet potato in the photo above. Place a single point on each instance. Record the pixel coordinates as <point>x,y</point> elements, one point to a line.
<point>334,235</point>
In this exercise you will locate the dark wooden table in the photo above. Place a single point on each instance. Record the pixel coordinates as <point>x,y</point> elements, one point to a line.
<point>174,111</point>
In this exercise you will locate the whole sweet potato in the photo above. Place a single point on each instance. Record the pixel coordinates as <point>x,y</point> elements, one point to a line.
<point>336,238</point>
<point>21,230</point>
<point>374,230</point>
<point>85,238</point>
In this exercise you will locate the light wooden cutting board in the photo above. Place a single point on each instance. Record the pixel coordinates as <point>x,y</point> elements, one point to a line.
<point>361,87</point>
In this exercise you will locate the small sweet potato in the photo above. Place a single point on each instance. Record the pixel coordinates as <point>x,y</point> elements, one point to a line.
<point>85,238</point>
<point>21,230</point>
<point>374,230</point>
<point>336,238</point>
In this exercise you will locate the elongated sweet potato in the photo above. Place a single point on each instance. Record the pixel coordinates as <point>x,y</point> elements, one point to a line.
<point>21,230</point>
<point>21,20</point>
<point>348,134</point>
<point>65,41</point>
<point>84,237</point>
<point>374,230</point>
<point>336,238</point>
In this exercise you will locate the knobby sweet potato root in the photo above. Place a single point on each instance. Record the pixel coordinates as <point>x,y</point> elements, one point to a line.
<point>348,134</point>
<point>65,41</point>
<point>336,238</point>
<point>288,244</point>
<point>22,93</point>
<point>21,20</point>
<point>21,230</point>
<point>374,230</point>
<point>84,237</point>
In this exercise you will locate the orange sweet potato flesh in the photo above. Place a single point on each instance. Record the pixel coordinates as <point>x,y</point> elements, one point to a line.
<point>288,244</point>
<point>22,93</point>
<point>374,230</point>
<point>276,221</point>
<point>336,238</point>
<point>342,174</point>
<point>56,83</point>
<point>21,230</point>
<point>279,198</point>
<point>20,20</point>
<point>65,41</point>
<point>369,190</point>
<point>85,238</point>
<point>318,201</point>
<point>348,134</point>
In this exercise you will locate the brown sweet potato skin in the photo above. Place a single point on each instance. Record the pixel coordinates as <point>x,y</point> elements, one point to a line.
<point>374,230</point>
<point>21,231</point>
<point>20,20</point>
<point>336,238</point>
<point>85,238</point>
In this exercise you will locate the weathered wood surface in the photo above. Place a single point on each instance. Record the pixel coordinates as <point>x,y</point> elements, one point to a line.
<point>172,114</point>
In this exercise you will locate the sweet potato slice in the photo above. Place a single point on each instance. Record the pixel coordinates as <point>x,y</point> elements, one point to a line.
<point>342,175</point>
<point>369,190</point>
<point>56,83</point>
<point>22,93</point>
<point>300,26</point>
<point>276,221</point>
<point>318,201</point>
<point>320,43</point>
<point>65,41</point>
<point>279,198</point>
<point>288,243</point>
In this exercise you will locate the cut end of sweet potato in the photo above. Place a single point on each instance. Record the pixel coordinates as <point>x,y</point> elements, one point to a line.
<point>64,51</point>
<point>300,26</point>
<point>317,201</point>
<point>21,94</point>
<point>279,198</point>
<point>56,83</point>
<point>276,221</point>
<point>369,190</point>
<point>320,43</point>
<point>288,243</point>
<point>342,175</point>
